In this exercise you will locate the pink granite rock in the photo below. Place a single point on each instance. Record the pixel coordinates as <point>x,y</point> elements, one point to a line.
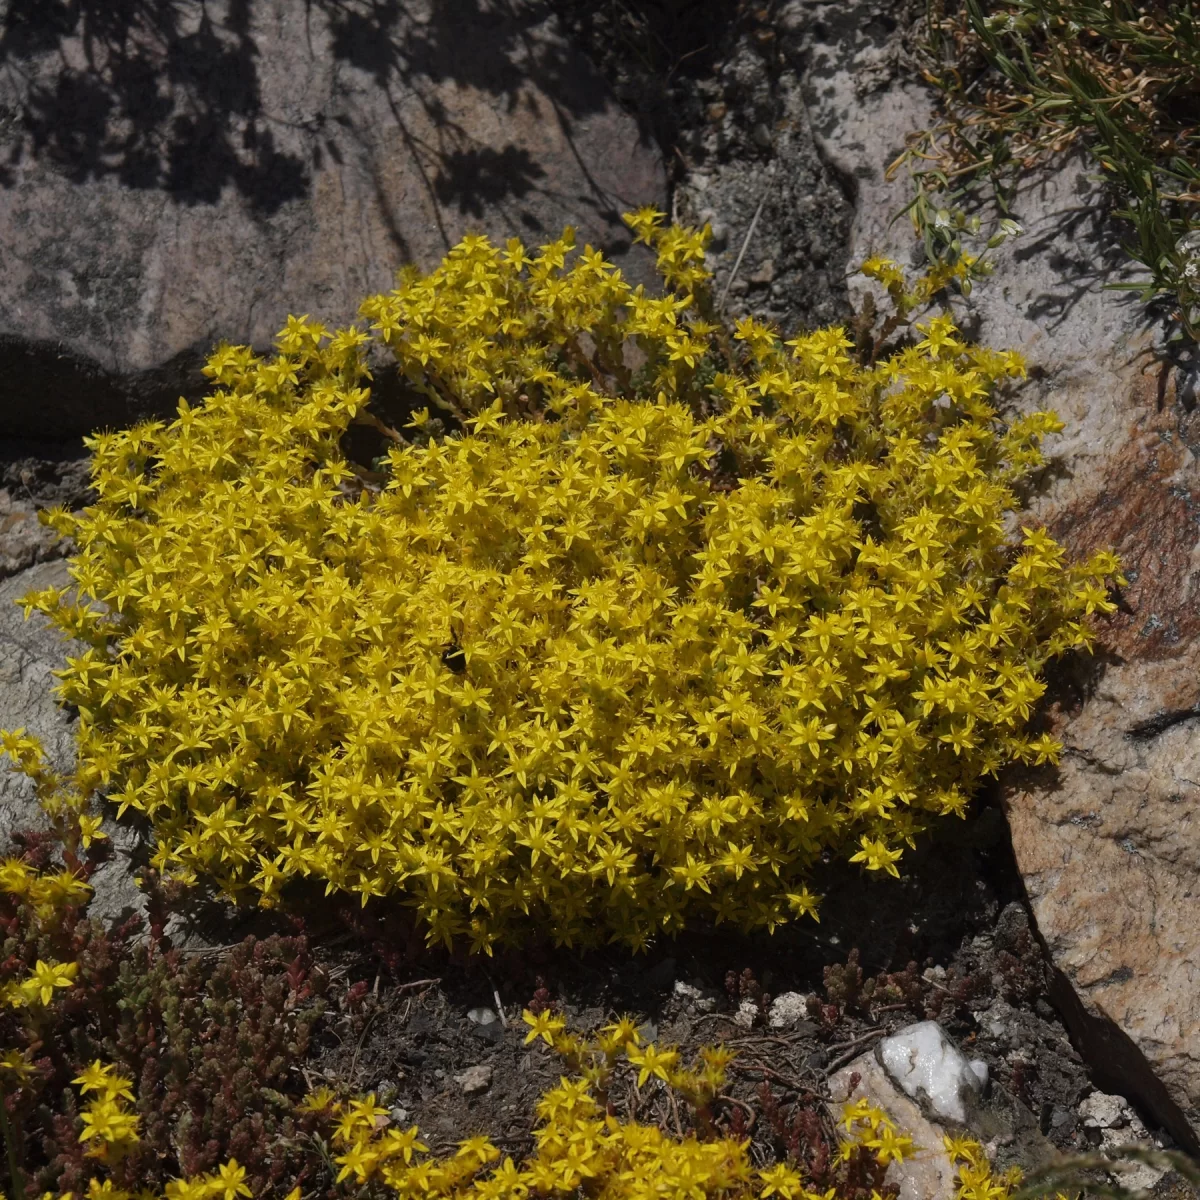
<point>1109,843</point>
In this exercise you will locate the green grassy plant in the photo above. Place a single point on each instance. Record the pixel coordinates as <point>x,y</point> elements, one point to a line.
<point>1024,81</point>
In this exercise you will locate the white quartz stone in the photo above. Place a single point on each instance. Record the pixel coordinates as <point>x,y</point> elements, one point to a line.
<point>922,1060</point>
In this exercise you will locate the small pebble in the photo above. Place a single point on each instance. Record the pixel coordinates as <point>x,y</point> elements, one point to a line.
<point>1104,1111</point>
<point>746,1014</point>
<point>695,996</point>
<point>787,1010</point>
<point>475,1079</point>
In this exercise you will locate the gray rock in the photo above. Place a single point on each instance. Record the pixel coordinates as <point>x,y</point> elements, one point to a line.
<point>703,1000</point>
<point>475,1079</point>
<point>1103,1111</point>
<point>202,170</point>
<point>29,651</point>
<point>746,1015</point>
<point>23,539</point>
<point>1113,1123</point>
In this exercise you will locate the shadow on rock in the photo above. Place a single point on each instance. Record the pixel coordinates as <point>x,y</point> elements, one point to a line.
<point>169,96</point>
<point>148,99</point>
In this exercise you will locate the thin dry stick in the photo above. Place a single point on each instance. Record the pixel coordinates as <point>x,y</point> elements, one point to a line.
<point>675,1110</point>
<point>845,1058</point>
<point>416,983</point>
<point>499,1006</point>
<point>858,1041</point>
<point>745,244</point>
<point>369,418</point>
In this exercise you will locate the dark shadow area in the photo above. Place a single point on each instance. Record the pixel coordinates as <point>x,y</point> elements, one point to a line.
<point>1073,679</point>
<point>952,886</point>
<point>172,95</point>
<point>484,44</point>
<point>478,176</point>
<point>59,394</point>
<point>155,106</point>
<point>651,52</point>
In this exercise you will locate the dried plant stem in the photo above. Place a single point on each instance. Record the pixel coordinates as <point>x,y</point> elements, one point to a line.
<point>10,1148</point>
<point>745,243</point>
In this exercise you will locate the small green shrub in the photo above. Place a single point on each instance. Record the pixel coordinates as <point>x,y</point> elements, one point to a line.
<point>640,642</point>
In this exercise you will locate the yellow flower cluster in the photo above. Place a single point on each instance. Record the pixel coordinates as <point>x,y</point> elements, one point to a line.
<point>38,987</point>
<point>635,644</point>
<point>110,1129</point>
<point>491,325</point>
<point>975,1178</point>
<point>45,893</point>
<point>579,1148</point>
<point>69,820</point>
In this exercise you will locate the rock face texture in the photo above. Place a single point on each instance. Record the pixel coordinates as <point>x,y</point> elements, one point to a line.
<point>1108,844</point>
<point>174,174</point>
<point>200,171</point>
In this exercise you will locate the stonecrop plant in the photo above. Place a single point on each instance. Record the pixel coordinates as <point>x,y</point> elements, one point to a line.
<point>583,1145</point>
<point>582,1149</point>
<point>661,618</point>
<point>86,1010</point>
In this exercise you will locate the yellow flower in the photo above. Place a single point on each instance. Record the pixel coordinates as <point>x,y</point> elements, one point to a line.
<point>45,978</point>
<point>781,1181</point>
<point>14,1062</point>
<point>317,1101</point>
<point>545,1026</point>
<point>876,855</point>
<point>229,1181</point>
<point>652,1061</point>
<point>89,829</point>
<point>106,1121</point>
